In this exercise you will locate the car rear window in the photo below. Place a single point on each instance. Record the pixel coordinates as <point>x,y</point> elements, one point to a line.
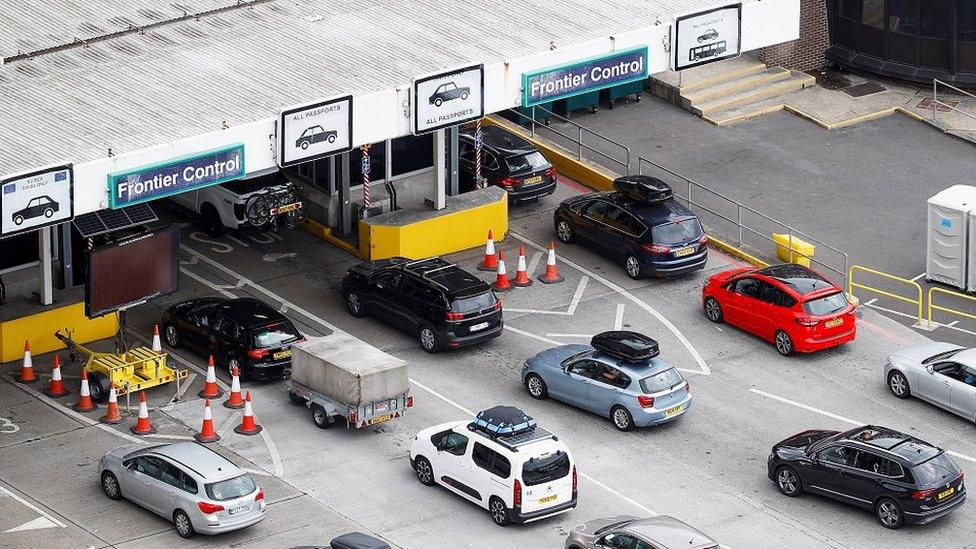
<point>678,232</point>
<point>540,470</point>
<point>826,305</point>
<point>473,303</point>
<point>275,335</point>
<point>661,382</point>
<point>527,162</point>
<point>231,488</point>
<point>938,470</point>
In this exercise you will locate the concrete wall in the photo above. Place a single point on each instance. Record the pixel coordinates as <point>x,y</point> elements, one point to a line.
<point>807,53</point>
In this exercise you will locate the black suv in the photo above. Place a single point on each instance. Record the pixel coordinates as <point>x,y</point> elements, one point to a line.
<point>508,161</point>
<point>899,477</point>
<point>441,304</point>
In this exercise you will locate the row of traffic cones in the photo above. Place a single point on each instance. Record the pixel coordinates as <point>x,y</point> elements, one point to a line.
<point>495,261</point>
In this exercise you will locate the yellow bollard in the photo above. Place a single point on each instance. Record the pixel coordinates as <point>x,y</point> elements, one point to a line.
<point>790,249</point>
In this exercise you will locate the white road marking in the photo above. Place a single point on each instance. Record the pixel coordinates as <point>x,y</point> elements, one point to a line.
<point>918,277</point>
<point>239,241</point>
<point>32,507</point>
<point>37,524</point>
<point>871,301</point>
<point>205,282</point>
<point>170,437</point>
<point>936,324</point>
<point>533,263</point>
<point>581,336</point>
<point>228,423</point>
<point>279,469</point>
<point>838,417</point>
<point>533,336</point>
<point>667,323</point>
<point>618,319</point>
<point>572,305</point>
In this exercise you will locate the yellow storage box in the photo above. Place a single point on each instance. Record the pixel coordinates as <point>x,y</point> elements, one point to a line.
<point>802,251</point>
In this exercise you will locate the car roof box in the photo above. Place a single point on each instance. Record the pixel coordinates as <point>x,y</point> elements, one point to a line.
<point>503,421</point>
<point>627,346</point>
<point>642,188</point>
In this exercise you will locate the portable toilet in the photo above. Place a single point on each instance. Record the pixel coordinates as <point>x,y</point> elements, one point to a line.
<point>946,256</point>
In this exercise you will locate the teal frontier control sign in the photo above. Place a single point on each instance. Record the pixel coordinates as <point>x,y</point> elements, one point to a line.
<point>175,176</point>
<point>596,73</point>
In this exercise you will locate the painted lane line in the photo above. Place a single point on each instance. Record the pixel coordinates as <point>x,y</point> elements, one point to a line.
<point>533,336</point>
<point>580,288</point>
<point>279,468</point>
<point>618,319</point>
<point>205,282</point>
<point>934,323</point>
<point>838,417</point>
<point>918,277</point>
<point>884,332</point>
<point>169,437</point>
<point>33,507</point>
<point>871,301</point>
<point>951,324</point>
<point>652,311</point>
<point>533,263</point>
<point>581,336</point>
<point>229,423</point>
<point>239,241</point>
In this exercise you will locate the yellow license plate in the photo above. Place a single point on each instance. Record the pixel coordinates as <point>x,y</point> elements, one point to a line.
<point>672,411</point>
<point>381,419</point>
<point>684,251</point>
<point>834,323</point>
<point>547,499</point>
<point>533,180</point>
<point>287,208</point>
<point>947,493</point>
<point>282,354</point>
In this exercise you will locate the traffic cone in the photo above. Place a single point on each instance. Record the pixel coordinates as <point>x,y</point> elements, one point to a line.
<point>491,262</point>
<point>502,283</point>
<point>27,370</point>
<point>207,432</point>
<point>56,389</point>
<point>247,426</point>
<point>521,275</point>
<point>210,388</point>
<point>551,275</point>
<point>112,415</point>
<point>157,346</point>
<point>143,426</point>
<point>85,402</point>
<point>235,401</point>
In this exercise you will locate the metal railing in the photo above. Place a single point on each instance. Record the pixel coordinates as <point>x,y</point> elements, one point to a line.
<point>936,103</point>
<point>916,301</point>
<point>612,150</point>
<point>942,308</point>
<point>739,215</point>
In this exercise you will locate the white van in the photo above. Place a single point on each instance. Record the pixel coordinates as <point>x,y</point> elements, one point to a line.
<point>518,478</point>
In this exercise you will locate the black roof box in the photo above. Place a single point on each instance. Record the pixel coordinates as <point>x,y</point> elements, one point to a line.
<point>503,421</point>
<point>627,346</point>
<point>643,188</point>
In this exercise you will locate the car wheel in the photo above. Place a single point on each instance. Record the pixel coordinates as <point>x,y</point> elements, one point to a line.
<point>210,221</point>
<point>788,482</point>
<point>425,473</point>
<point>633,267</point>
<point>464,96</point>
<point>536,387</point>
<point>331,139</point>
<point>713,310</point>
<point>183,525</point>
<point>889,513</point>
<point>304,145</point>
<point>438,102</point>
<point>564,231</point>
<point>354,304</point>
<point>899,385</point>
<point>622,419</point>
<point>784,343</point>
<point>18,219</point>
<point>428,339</point>
<point>320,417</point>
<point>98,387</point>
<point>48,213</point>
<point>499,513</point>
<point>172,335</point>
<point>110,485</point>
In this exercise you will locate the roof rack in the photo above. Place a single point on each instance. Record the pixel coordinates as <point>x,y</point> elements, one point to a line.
<point>512,442</point>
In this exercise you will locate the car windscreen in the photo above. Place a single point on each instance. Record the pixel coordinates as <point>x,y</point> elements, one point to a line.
<point>938,470</point>
<point>826,305</point>
<point>231,488</point>
<point>678,232</point>
<point>474,303</point>
<point>539,470</point>
<point>275,335</point>
<point>661,382</point>
<point>527,162</point>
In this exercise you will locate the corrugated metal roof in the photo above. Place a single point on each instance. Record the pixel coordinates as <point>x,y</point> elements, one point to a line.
<point>183,79</point>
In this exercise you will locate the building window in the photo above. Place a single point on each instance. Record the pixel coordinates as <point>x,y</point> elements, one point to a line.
<point>903,16</point>
<point>936,19</point>
<point>872,13</point>
<point>848,8</point>
<point>967,21</point>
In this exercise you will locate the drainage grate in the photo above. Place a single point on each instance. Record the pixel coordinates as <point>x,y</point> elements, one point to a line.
<point>860,90</point>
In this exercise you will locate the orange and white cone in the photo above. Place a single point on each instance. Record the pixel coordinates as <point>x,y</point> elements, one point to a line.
<point>551,276</point>
<point>157,346</point>
<point>143,425</point>
<point>502,283</point>
<point>491,262</point>
<point>247,426</point>
<point>85,402</point>
<point>207,432</point>
<point>521,275</point>
<point>27,369</point>
<point>234,401</point>
<point>112,415</point>
<point>56,389</point>
<point>210,388</point>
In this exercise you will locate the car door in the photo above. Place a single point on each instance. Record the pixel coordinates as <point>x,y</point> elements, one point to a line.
<point>381,291</point>
<point>962,392</point>
<point>222,341</point>
<point>605,388</point>
<point>163,495</point>
<point>575,383</point>
<point>142,481</point>
<point>935,385</point>
<point>411,305</point>
<point>617,540</point>
<point>825,473</point>
<point>489,472</point>
<point>865,481</point>
<point>742,298</point>
<point>618,235</point>
<point>769,314</point>
<point>592,223</point>
<point>196,331</point>
<point>454,460</point>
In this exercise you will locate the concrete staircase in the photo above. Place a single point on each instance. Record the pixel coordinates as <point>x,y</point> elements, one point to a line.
<point>721,92</point>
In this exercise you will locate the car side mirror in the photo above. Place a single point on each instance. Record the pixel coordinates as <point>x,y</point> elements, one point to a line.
<point>930,369</point>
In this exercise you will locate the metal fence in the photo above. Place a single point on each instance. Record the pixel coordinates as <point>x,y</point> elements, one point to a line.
<point>576,138</point>
<point>937,103</point>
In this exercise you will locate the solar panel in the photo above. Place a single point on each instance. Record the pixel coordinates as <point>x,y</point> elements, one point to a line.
<point>106,221</point>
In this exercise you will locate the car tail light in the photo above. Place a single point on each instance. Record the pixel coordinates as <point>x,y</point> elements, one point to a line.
<point>517,493</point>
<point>410,401</point>
<point>209,508</point>
<point>807,321</point>
<point>655,248</point>
<point>687,386</point>
<point>645,401</point>
<point>923,494</point>
<point>509,182</point>
<point>260,496</point>
<point>574,479</point>
<point>498,305</point>
<point>551,172</point>
<point>454,316</point>
<point>352,416</point>
<point>257,354</point>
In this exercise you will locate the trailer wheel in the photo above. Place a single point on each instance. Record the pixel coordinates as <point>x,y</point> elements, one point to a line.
<point>98,387</point>
<point>320,417</point>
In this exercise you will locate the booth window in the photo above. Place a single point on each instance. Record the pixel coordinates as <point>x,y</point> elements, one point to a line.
<point>936,19</point>
<point>412,153</point>
<point>903,16</point>
<point>872,13</point>
<point>967,21</point>
<point>377,164</point>
<point>849,8</point>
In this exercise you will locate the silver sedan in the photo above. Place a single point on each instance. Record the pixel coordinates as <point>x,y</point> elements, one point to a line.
<point>941,373</point>
<point>628,532</point>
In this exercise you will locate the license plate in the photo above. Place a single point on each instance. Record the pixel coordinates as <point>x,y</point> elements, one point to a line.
<point>673,411</point>
<point>533,180</point>
<point>834,323</point>
<point>239,509</point>
<point>946,493</point>
<point>547,499</point>
<point>380,419</point>
<point>684,251</point>
<point>286,208</point>
<point>476,327</point>
<point>381,406</point>
<point>282,354</point>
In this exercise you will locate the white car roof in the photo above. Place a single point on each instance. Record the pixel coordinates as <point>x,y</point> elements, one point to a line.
<point>966,357</point>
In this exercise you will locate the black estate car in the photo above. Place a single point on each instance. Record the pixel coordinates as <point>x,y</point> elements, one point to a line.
<point>899,477</point>
<point>438,302</point>
<point>239,332</point>
<point>507,161</point>
<point>639,224</point>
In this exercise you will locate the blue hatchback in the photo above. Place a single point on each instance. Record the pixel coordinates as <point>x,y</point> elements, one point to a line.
<point>630,393</point>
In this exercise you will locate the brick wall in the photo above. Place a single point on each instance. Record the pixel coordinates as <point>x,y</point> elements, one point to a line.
<point>808,52</point>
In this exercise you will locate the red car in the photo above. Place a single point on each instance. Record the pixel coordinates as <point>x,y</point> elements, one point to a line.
<point>789,305</point>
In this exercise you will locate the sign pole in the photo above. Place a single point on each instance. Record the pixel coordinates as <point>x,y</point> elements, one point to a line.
<point>479,140</point>
<point>364,149</point>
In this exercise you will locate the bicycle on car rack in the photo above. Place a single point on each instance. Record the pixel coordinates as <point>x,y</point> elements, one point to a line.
<point>278,205</point>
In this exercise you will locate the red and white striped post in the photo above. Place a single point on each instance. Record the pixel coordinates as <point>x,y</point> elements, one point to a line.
<point>366,168</point>
<point>479,140</point>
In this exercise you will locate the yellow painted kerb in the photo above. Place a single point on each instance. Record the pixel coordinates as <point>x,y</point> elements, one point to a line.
<point>39,330</point>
